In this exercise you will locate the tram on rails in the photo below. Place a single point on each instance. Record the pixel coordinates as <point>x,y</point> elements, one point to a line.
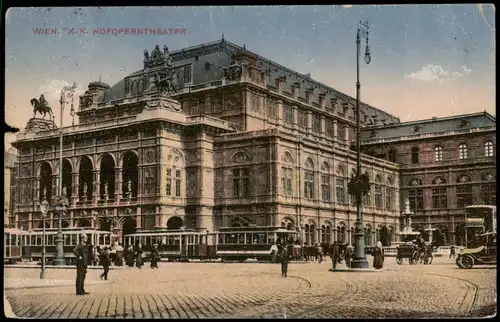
<point>227,244</point>
<point>13,239</point>
<point>33,246</point>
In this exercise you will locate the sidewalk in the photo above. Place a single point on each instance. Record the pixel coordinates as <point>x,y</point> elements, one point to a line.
<point>7,309</point>
<point>37,266</point>
<point>27,283</point>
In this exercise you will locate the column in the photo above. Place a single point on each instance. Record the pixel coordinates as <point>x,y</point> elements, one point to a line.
<point>295,117</point>
<point>309,122</point>
<point>74,188</point>
<point>323,126</point>
<point>138,219</point>
<point>55,186</point>
<point>335,128</point>
<point>346,135</point>
<point>30,221</point>
<point>97,185</point>
<point>118,184</point>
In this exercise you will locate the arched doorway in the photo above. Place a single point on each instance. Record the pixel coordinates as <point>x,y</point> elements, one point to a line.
<point>129,226</point>
<point>107,178</point>
<point>385,237</point>
<point>45,182</point>
<point>130,175</point>
<point>174,223</point>
<point>85,186</point>
<point>67,177</point>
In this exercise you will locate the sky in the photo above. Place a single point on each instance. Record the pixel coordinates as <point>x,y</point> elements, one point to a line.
<point>426,60</point>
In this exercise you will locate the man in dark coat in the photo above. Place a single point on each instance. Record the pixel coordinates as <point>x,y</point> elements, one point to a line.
<point>335,253</point>
<point>284,258</point>
<point>82,261</point>
<point>155,257</point>
<point>105,262</point>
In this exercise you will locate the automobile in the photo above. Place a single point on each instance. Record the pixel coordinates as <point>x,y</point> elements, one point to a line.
<point>484,252</point>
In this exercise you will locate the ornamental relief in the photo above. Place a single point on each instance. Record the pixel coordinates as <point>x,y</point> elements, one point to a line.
<point>150,155</point>
<point>149,180</point>
<point>192,183</point>
<point>193,158</point>
<point>232,101</point>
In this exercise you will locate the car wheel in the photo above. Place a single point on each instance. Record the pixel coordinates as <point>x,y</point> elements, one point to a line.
<point>467,262</point>
<point>399,260</point>
<point>459,262</point>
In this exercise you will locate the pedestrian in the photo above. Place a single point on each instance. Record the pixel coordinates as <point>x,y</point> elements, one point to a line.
<point>105,261</point>
<point>130,256</point>
<point>452,252</point>
<point>81,252</point>
<point>155,256</point>
<point>335,254</point>
<point>138,260</point>
<point>284,261</point>
<point>348,256</point>
<point>378,256</point>
<point>274,253</point>
<point>96,255</point>
<point>319,251</point>
<point>119,255</point>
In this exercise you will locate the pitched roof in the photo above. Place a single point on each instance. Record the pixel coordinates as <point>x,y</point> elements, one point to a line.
<point>429,126</point>
<point>218,54</point>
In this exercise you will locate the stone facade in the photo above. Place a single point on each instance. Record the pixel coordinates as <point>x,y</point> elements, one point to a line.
<point>9,172</point>
<point>446,164</point>
<point>207,137</point>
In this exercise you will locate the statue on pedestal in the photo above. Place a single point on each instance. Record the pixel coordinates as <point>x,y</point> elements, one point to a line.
<point>106,191</point>
<point>41,106</point>
<point>407,205</point>
<point>85,191</point>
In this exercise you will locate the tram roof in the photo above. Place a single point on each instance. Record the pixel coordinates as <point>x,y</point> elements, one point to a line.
<point>481,207</point>
<point>15,231</point>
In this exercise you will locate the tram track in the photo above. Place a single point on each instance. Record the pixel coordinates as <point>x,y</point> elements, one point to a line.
<point>470,286</point>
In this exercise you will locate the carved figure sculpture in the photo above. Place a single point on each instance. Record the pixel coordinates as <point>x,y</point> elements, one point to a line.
<point>85,190</point>
<point>156,53</point>
<point>407,205</point>
<point>165,50</point>
<point>41,106</point>
<point>146,54</point>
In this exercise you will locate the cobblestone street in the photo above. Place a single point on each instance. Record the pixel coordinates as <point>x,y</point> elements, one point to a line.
<point>201,290</point>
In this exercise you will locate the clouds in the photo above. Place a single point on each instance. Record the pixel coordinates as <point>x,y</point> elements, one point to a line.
<point>434,73</point>
<point>52,91</point>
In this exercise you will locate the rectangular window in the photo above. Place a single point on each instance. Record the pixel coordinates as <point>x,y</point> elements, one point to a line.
<point>309,185</point>
<point>378,196</point>
<point>271,109</point>
<point>286,181</point>
<point>367,199</point>
<point>187,74</point>
<point>389,197</point>
<point>302,119</point>
<point>489,194</point>
<point>340,132</point>
<point>439,198</point>
<point>340,190</point>
<point>241,182</point>
<point>416,197</point>
<point>464,196</point>
<point>329,128</point>
<point>177,183</point>
<point>288,114</point>
<point>316,123</point>
<point>325,187</point>
<point>169,182</point>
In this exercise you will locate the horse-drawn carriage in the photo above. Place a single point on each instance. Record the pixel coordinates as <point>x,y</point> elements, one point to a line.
<point>412,253</point>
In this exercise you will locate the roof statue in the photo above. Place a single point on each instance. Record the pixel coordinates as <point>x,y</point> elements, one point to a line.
<point>156,53</point>
<point>146,54</point>
<point>158,58</point>
<point>41,106</point>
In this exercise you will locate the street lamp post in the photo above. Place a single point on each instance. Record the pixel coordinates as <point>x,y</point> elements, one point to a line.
<point>44,209</point>
<point>359,260</point>
<point>67,93</point>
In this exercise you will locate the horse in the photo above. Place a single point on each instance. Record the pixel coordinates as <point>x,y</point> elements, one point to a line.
<point>40,108</point>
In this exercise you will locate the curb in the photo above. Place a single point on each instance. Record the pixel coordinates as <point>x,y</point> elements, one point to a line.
<point>7,309</point>
<point>356,270</point>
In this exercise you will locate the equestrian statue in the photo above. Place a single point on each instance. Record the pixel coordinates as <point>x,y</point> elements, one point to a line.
<point>41,106</point>
<point>164,83</point>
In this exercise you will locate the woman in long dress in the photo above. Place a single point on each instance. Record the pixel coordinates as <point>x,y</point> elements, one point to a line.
<point>130,256</point>
<point>138,260</point>
<point>378,256</point>
<point>119,255</point>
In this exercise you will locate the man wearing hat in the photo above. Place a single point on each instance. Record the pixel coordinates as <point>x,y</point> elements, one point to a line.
<point>82,257</point>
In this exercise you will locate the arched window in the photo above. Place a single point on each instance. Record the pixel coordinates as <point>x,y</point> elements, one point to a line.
<point>488,189</point>
<point>389,195</point>
<point>367,199</point>
<point>414,154</point>
<point>488,149</point>
<point>378,192</point>
<point>309,180</point>
<point>287,175</point>
<point>341,234</point>
<point>438,151</point>
<point>352,197</point>
<point>464,191</point>
<point>328,234</point>
<point>340,185</point>
<point>416,195</point>
<point>439,194</point>
<point>325,182</point>
<point>323,234</point>
<point>368,236</point>
<point>462,151</point>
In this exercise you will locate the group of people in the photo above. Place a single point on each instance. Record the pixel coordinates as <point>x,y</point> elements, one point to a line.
<point>338,253</point>
<point>87,254</point>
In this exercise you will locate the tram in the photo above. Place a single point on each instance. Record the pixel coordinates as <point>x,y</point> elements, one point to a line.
<point>179,244</point>
<point>227,244</point>
<point>13,245</point>
<point>33,245</point>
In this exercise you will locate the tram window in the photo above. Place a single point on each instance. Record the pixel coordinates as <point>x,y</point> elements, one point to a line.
<point>12,240</point>
<point>271,238</point>
<point>261,238</point>
<point>38,241</point>
<point>177,240</point>
<point>249,238</point>
<point>190,239</point>
<point>241,238</point>
<point>50,239</point>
